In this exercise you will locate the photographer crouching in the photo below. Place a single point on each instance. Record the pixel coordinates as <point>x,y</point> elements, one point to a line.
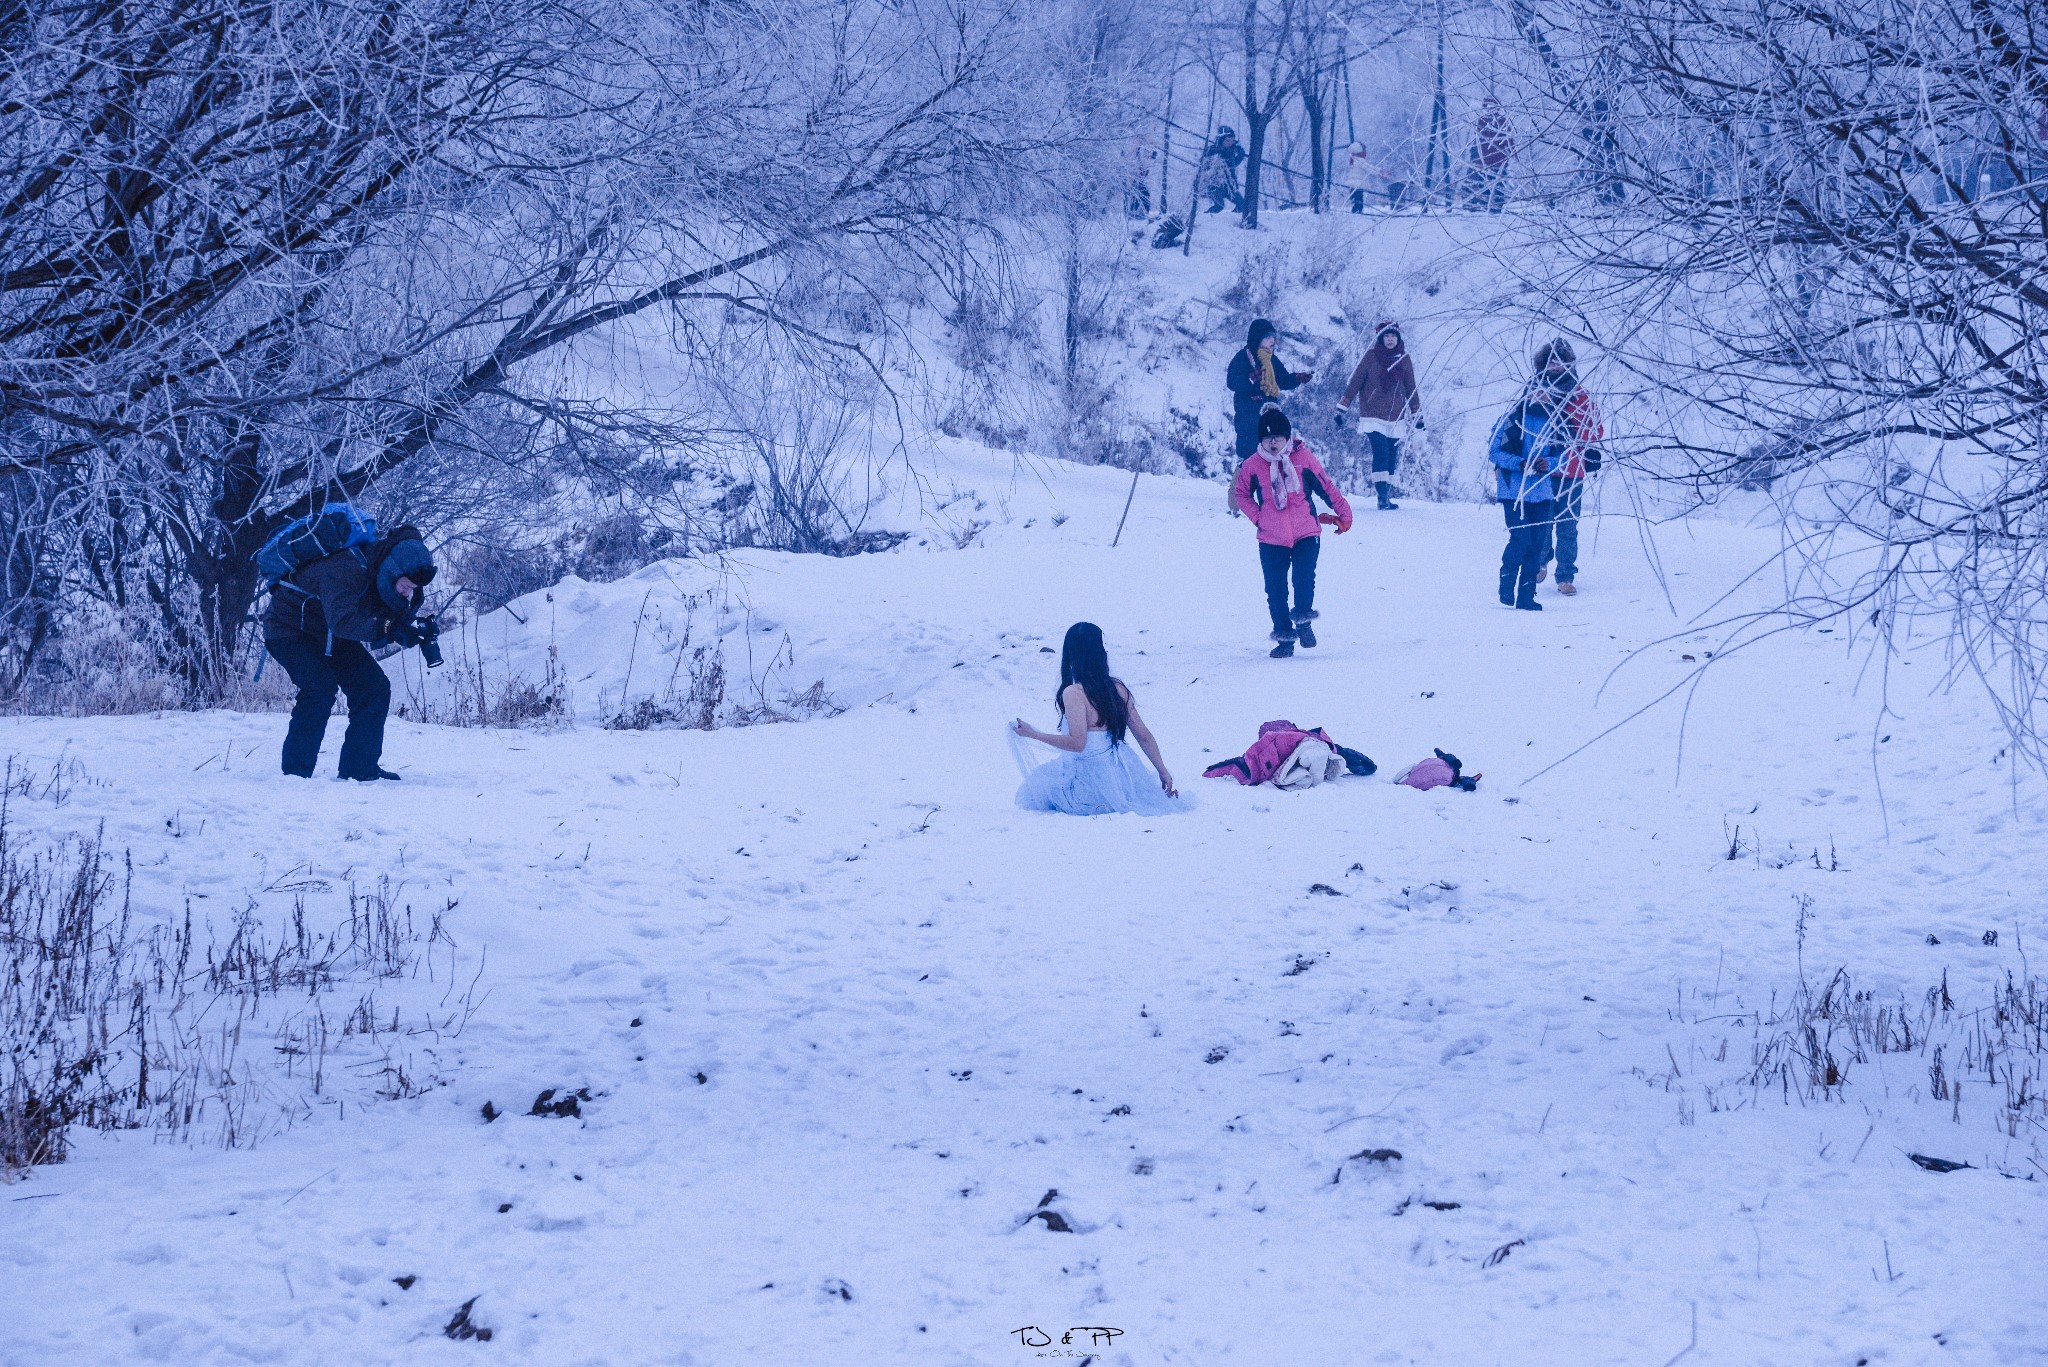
<point>333,614</point>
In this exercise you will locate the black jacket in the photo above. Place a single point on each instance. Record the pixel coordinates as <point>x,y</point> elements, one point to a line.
<point>1248,397</point>
<point>336,598</point>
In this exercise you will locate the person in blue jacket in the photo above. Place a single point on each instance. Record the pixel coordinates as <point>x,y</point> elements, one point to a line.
<point>1527,449</point>
<point>1256,378</point>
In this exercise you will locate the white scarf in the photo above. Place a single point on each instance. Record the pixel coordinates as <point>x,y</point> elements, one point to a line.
<point>1284,476</point>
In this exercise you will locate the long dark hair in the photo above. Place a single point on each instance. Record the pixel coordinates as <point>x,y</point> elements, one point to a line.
<point>1084,661</point>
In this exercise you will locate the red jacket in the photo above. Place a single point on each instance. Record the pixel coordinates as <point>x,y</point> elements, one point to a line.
<point>1252,491</point>
<point>1582,417</point>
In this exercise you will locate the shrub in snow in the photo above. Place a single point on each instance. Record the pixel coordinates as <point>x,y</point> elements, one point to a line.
<point>177,1030</point>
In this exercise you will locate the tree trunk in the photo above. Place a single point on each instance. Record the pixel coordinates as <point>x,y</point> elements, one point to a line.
<point>1072,267</point>
<point>221,559</point>
<point>1318,182</point>
<point>1254,123</point>
<point>1439,162</point>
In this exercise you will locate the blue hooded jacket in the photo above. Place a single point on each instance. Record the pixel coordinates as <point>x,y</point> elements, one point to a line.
<point>1528,429</point>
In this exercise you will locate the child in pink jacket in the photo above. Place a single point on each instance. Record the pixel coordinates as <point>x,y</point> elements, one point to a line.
<point>1273,489</point>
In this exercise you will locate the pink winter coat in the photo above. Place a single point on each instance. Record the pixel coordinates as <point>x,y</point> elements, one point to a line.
<point>1252,491</point>
<point>1276,742</point>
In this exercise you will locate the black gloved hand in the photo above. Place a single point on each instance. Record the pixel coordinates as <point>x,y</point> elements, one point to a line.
<point>1593,459</point>
<point>1418,422</point>
<point>408,634</point>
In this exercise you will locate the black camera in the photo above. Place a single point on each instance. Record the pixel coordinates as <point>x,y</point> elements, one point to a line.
<point>430,641</point>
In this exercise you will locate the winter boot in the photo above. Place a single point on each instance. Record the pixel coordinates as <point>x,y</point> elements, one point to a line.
<point>374,775</point>
<point>1387,504</point>
<point>1567,587</point>
<point>1306,634</point>
<point>1283,651</point>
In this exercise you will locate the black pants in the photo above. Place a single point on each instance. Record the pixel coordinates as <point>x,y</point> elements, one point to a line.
<point>1528,547</point>
<point>1279,562</point>
<point>351,670</point>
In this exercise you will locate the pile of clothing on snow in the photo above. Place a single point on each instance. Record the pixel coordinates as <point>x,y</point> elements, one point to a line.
<point>1294,757</point>
<point>1290,756</point>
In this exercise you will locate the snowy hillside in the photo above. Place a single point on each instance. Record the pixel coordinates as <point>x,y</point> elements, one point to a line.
<point>880,1068</point>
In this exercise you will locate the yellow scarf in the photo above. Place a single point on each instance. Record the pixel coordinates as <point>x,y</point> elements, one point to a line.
<point>1268,381</point>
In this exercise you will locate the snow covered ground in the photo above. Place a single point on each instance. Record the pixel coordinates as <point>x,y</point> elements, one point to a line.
<point>851,1021</point>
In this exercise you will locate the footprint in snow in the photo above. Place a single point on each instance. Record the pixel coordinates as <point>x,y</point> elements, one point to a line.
<point>1470,1044</point>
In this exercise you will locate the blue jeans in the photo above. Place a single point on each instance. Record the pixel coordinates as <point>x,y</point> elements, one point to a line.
<point>1528,547</point>
<point>1571,497</point>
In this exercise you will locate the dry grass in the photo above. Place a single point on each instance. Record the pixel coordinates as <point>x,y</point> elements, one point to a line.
<point>182,1031</point>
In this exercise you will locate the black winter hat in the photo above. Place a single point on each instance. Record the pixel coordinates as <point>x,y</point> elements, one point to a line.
<point>1258,332</point>
<point>1273,423</point>
<point>1558,350</point>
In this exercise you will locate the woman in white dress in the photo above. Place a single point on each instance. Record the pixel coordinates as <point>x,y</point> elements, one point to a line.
<point>1095,772</point>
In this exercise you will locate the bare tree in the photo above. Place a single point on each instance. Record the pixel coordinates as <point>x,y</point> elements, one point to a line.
<point>1831,271</point>
<point>256,256</point>
<point>1247,47</point>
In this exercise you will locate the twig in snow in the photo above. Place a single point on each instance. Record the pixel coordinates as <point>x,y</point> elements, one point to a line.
<point>303,1190</point>
<point>1694,1341</point>
<point>1127,511</point>
<point>1376,1114</point>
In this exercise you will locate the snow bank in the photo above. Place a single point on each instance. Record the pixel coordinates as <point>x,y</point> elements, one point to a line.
<point>1352,1075</point>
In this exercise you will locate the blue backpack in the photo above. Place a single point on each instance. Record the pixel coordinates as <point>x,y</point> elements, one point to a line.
<point>303,540</point>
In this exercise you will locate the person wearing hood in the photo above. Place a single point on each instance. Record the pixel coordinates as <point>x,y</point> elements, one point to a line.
<point>1526,449</point>
<point>1256,378</point>
<point>323,624</point>
<point>1275,489</point>
<point>1579,458</point>
<point>1383,387</point>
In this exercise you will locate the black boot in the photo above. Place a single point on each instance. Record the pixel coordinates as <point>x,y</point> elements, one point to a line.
<point>374,775</point>
<point>1387,504</point>
<point>1306,634</point>
<point>1283,651</point>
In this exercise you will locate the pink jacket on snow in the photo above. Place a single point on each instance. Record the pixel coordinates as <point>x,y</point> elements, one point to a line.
<point>1252,491</point>
<point>1276,742</point>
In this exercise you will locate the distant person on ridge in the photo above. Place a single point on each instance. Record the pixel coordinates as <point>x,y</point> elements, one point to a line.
<point>1273,489</point>
<point>1581,459</point>
<point>1256,378</point>
<point>1384,388</point>
<point>1360,175</point>
<point>322,625</point>
<point>1216,176</point>
<point>1494,150</point>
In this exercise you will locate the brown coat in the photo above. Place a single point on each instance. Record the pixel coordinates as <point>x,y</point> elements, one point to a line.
<point>1384,382</point>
